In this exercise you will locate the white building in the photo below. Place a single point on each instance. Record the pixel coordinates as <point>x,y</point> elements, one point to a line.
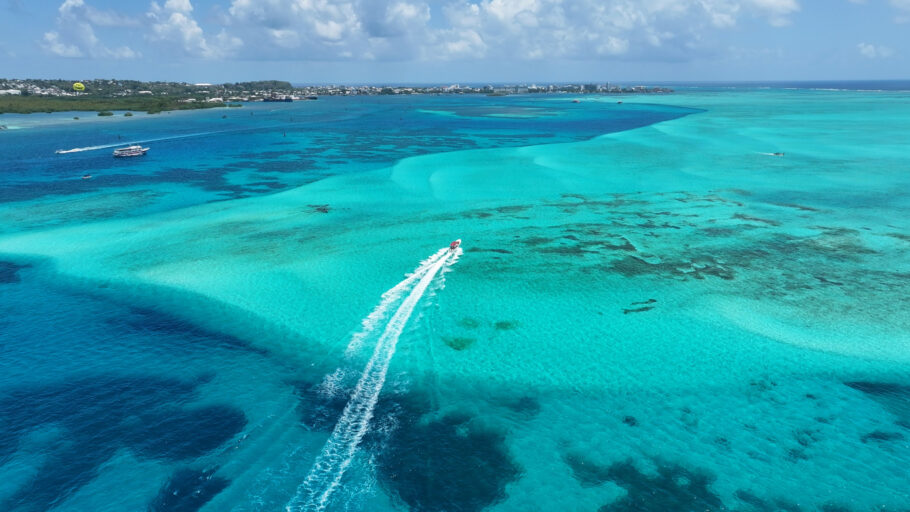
<point>10,92</point>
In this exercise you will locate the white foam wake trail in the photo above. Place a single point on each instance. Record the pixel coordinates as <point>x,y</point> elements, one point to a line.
<point>172,137</point>
<point>389,298</point>
<point>338,452</point>
<point>159,139</point>
<point>89,148</point>
<point>440,283</point>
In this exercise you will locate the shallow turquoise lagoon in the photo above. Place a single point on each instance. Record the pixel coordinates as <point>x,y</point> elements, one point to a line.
<point>693,301</point>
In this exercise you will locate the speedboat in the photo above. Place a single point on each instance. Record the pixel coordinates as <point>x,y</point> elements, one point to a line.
<point>454,245</point>
<point>130,151</point>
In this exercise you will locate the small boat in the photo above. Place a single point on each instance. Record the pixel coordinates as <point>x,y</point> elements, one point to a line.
<point>135,150</point>
<point>86,176</point>
<point>454,245</point>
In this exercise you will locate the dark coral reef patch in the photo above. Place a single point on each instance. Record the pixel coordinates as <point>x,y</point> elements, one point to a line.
<point>99,416</point>
<point>458,342</point>
<point>672,488</point>
<point>188,490</point>
<point>428,462</point>
<point>892,396</point>
<point>9,272</point>
<point>506,325</point>
<point>445,464</point>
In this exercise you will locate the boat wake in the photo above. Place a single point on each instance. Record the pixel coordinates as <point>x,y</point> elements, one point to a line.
<point>89,148</point>
<point>388,299</point>
<point>146,141</point>
<point>339,451</point>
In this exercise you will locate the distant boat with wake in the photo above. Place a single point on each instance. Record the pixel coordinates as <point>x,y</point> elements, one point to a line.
<point>130,151</point>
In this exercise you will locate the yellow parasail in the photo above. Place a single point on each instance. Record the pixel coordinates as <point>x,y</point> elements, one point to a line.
<point>78,86</point>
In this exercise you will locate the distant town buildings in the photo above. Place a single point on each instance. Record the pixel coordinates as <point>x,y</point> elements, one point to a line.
<point>370,90</point>
<point>273,90</point>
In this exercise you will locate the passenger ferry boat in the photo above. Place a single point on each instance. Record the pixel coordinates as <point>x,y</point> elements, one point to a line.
<point>130,151</point>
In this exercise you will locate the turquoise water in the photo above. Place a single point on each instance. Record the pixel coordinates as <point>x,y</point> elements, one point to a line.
<point>650,309</point>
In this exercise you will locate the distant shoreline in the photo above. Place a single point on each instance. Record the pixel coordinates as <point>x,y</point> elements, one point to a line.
<point>48,104</point>
<point>25,96</point>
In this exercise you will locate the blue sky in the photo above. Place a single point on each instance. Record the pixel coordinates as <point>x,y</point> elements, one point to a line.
<point>449,41</point>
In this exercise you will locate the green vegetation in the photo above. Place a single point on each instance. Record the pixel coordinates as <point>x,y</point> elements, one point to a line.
<point>127,88</point>
<point>150,104</point>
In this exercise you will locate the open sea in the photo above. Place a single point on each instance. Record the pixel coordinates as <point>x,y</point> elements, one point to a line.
<point>697,301</point>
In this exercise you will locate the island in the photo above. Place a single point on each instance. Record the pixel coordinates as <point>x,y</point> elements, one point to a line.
<point>24,96</point>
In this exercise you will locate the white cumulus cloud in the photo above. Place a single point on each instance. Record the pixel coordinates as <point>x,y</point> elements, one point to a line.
<point>323,28</point>
<point>777,12</point>
<point>53,45</point>
<point>174,25</point>
<point>183,6</point>
<point>333,29</point>
<point>904,7</point>
<point>426,30</point>
<point>75,34</point>
<point>657,29</point>
<point>872,51</point>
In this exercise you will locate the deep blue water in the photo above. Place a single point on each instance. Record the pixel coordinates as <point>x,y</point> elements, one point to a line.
<point>261,148</point>
<point>101,376</point>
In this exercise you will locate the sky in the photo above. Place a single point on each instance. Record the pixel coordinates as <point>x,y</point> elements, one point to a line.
<point>455,41</point>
